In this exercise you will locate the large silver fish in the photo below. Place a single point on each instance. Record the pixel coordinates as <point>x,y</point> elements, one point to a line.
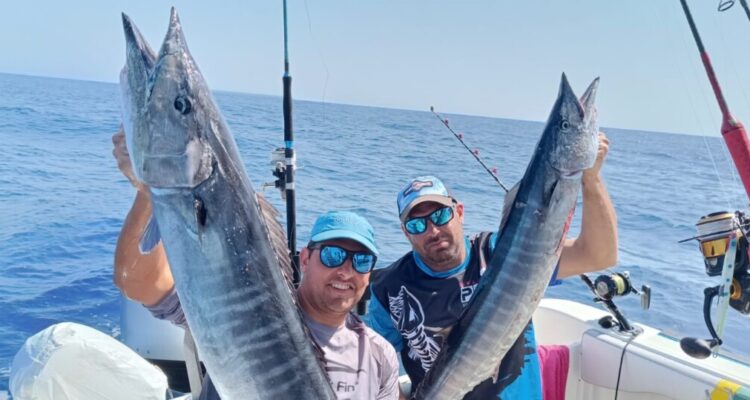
<point>225,248</point>
<point>536,219</point>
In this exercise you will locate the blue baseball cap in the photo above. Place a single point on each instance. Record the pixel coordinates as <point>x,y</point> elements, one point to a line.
<point>344,225</point>
<point>420,190</point>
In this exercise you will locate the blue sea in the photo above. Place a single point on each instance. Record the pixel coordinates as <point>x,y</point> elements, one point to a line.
<point>63,199</point>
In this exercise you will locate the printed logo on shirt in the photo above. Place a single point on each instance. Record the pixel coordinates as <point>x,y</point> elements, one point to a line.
<point>345,387</point>
<point>467,291</point>
<point>408,316</point>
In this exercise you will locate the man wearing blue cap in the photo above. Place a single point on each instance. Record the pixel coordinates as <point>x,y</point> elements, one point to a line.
<point>336,266</point>
<point>416,301</point>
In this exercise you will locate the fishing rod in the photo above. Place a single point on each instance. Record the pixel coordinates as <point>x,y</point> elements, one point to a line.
<point>285,172</point>
<point>721,235</point>
<point>475,153</point>
<point>732,130</point>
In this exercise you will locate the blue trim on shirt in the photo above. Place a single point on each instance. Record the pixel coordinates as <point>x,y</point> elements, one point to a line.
<point>380,321</point>
<point>528,385</point>
<point>552,282</point>
<point>444,274</point>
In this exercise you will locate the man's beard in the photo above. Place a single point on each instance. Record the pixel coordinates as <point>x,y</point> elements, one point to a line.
<point>442,255</point>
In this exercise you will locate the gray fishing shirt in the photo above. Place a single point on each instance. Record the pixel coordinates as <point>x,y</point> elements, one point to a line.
<point>360,364</point>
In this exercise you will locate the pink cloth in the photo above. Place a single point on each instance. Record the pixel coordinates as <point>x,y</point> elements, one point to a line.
<point>554,361</point>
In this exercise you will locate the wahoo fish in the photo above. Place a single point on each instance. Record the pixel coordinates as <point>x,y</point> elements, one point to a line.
<point>226,250</point>
<point>536,218</point>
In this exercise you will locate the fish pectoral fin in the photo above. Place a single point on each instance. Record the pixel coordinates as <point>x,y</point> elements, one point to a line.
<point>556,201</point>
<point>496,374</point>
<point>510,198</point>
<point>150,237</point>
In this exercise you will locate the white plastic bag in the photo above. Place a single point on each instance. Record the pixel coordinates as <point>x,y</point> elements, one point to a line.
<point>69,361</point>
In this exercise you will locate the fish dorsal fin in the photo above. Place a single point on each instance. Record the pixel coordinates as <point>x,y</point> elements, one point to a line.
<point>510,198</point>
<point>278,237</point>
<point>278,242</point>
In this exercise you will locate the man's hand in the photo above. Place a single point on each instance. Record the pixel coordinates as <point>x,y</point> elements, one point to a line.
<point>596,247</point>
<point>601,154</point>
<point>120,152</point>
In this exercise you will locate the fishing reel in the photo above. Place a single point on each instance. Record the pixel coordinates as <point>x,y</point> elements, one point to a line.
<point>279,169</point>
<point>723,241</point>
<point>608,286</point>
<point>616,284</point>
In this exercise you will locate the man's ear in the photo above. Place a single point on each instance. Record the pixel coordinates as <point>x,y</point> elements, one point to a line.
<point>304,257</point>
<point>460,211</point>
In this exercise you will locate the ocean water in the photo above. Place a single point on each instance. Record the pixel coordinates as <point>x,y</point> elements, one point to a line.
<point>64,199</point>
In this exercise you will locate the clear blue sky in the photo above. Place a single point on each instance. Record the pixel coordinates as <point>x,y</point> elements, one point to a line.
<point>492,58</point>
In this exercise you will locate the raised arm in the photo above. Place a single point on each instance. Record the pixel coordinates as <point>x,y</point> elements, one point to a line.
<point>596,247</point>
<point>145,278</point>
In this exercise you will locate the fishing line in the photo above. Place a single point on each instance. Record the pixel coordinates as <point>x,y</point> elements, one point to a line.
<point>732,171</point>
<point>738,77</point>
<point>732,130</point>
<point>322,59</point>
<point>691,101</point>
<point>475,152</point>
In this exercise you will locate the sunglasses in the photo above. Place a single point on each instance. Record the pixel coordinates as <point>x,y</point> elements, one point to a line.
<point>334,256</point>
<point>439,217</point>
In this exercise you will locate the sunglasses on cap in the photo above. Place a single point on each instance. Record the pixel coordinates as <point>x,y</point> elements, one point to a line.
<point>333,256</point>
<point>439,217</point>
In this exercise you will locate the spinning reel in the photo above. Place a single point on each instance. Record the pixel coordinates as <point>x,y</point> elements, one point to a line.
<point>723,241</point>
<point>616,284</point>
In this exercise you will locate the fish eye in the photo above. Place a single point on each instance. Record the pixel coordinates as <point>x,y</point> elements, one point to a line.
<point>182,104</point>
<point>565,125</point>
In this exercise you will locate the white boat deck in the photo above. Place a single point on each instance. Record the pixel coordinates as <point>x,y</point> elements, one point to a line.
<point>653,364</point>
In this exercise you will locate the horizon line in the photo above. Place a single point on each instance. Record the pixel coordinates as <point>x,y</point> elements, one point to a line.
<point>363,105</point>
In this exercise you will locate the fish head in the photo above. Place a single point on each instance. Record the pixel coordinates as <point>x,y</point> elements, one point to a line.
<point>134,76</point>
<point>572,130</point>
<point>174,151</point>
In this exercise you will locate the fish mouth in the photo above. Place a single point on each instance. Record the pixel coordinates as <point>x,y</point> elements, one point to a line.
<point>567,172</point>
<point>136,45</point>
<point>174,41</point>
<point>173,171</point>
<point>588,97</point>
<point>571,174</point>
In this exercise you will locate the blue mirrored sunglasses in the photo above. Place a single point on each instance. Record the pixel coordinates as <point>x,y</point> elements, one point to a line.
<point>439,217</point>
<point>334,256</point>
